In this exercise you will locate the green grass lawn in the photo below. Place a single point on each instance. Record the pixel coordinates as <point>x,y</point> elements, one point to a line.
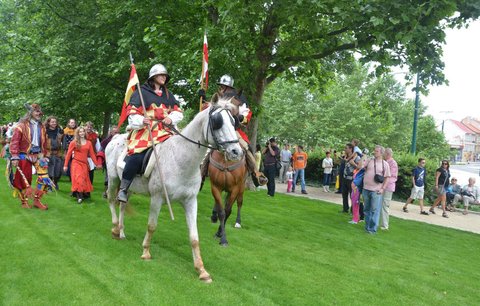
<point>290,251</point>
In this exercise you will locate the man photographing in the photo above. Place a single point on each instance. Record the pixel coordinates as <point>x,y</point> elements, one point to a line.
<point>271,152</point>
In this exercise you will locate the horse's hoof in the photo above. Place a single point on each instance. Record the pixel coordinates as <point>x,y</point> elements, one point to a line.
<point>238,225</point>
<point>115,235</point>
<point>217,236</point>
<point>206,279</point>
<point>146,256</point>
<point>214,219</point>
<point>223,244</point>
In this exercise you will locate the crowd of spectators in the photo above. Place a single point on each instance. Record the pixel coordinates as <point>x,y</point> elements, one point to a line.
<point>368,200</point>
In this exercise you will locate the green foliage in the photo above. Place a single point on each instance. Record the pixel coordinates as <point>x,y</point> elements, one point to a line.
<point>430,141</point>
<point>73,64</point>
<point>73,56</point>
<point>314,170</point>
<point>353,105</point>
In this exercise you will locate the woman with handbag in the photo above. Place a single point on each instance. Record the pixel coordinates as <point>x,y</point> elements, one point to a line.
<point>442,179</point>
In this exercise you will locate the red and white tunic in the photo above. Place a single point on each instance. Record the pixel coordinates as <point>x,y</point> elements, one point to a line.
<point>159,105</point>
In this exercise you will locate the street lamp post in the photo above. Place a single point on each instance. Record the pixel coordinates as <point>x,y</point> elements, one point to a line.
<point>443,121</point>
<point>413,149</point>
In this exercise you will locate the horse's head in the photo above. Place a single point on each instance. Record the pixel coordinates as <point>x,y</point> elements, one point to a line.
<point>221,128</point>
<point>235,99</point>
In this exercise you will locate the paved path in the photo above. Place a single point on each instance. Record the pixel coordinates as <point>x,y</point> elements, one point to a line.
<point>469,223</point>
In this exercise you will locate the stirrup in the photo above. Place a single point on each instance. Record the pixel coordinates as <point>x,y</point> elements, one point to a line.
<point>122,196</point>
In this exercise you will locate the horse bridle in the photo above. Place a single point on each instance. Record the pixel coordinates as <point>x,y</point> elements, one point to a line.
<point>212,126</point>
<point>219,145</point>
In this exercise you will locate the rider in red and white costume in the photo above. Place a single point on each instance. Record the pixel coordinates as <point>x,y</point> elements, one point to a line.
<point>161,110</point>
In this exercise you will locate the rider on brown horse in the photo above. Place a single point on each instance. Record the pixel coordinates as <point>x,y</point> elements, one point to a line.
<point>243,116</point>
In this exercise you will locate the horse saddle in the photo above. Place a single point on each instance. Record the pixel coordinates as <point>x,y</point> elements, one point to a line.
<point>147,163</point>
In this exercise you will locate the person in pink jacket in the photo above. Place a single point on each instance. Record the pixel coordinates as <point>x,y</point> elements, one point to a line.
<point>389,188</point>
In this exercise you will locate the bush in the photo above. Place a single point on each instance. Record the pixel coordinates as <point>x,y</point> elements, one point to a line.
<point>314,170</point>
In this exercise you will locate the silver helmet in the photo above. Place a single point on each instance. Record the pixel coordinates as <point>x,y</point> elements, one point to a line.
<point>226,80</point>
<point>158,69</point>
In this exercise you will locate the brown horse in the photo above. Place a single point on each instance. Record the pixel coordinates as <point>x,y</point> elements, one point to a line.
<point>228,176</point>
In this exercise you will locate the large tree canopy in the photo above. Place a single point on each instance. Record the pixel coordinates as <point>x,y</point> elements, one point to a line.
<point>73,55</point>
<point>352,105</point>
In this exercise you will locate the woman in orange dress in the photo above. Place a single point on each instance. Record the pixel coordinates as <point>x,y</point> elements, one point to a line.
<point>79,150</point>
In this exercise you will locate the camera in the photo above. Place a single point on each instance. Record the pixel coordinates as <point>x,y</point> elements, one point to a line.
<point>267,143</point>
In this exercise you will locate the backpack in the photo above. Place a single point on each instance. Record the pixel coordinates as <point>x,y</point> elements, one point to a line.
<point>358,178</point>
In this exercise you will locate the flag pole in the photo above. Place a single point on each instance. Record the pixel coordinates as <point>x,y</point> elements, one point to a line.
<point>201,98</point>
<point>203,70</point>
<point>201,83</point>
<point>153,146</point>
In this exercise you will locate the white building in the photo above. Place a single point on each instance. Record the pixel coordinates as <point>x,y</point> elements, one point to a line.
<point>463,138</point>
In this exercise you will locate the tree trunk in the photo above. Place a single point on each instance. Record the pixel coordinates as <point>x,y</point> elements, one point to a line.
<point>257,99</point>
<point>106,123</point>
<point>252,131</point>
<point>253,125</point>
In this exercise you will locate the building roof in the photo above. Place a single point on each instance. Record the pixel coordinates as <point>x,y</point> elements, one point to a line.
<point>472,127</point>
<point>463,127</point>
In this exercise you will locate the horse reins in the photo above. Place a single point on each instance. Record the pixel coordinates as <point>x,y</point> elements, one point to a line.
<point>177,132</point>
<point>218,143</point>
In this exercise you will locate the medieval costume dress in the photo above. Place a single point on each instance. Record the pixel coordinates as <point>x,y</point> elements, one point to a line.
<point>54,144</point>
<point>79,170</point>
<point>68,136</point>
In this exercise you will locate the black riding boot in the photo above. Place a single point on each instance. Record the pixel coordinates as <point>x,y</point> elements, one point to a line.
<point>122,195</point>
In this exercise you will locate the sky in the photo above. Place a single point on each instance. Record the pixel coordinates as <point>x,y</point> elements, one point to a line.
<point>461,98</point>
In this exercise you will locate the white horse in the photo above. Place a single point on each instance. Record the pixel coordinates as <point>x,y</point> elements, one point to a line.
<point>180,158</point>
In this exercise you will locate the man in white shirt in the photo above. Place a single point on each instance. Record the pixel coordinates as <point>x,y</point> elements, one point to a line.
<point>285,159</point>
